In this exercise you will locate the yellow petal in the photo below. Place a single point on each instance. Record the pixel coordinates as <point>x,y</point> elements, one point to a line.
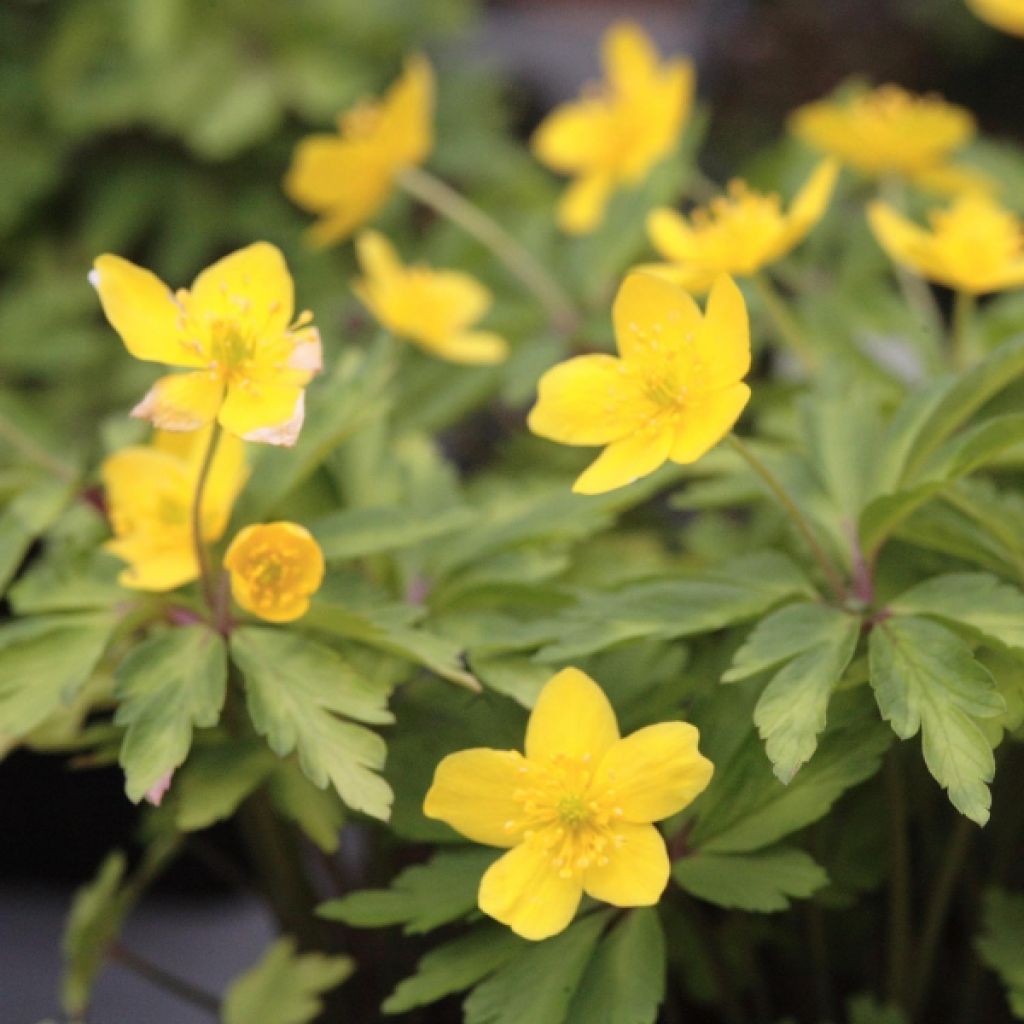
<point>574,137</point>
<point>654,772</point>
<point>670,233</point>
<point>377,256</point>
<point>474,348</point>
<point>472,792</point>
<point>625,461</point>
<point>629,58</point>
<point>524,891</point>
<point>407,111</point>
<point>251,285</point>
<point>581,208</point>
<point>1007,15</point>
<point>143,311</point>
<point>155,573</point>
<point>181,401</point>
<point>589,400</point>
<point>705,421</point>
<point>809,205</point>
<point>902,240</point>
<point>722,345</point>
<point>691,277</point>
<point>458,300</point>
<point>653,318</point>
<point>266,412</point>
<point>572,717</point>
<point>637,871</point>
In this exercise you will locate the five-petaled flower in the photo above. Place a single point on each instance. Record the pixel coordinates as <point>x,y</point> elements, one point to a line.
<point>974,246</point>
<point>274,567</point>
<point>576,811</point>
<point>674,391</point>
<point>346,178</point>
<point>1007,15</point>
<point>618,130</point>
<point>435,309</point>
<point>889,132</point>
<point>150,490</point>
<point>249,360</point>
<point>737,234</point>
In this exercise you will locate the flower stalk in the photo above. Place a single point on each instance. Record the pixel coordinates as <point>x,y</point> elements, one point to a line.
<point>206,571</point>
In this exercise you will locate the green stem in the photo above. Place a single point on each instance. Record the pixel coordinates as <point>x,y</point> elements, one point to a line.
<point>518,260</point>
<point>33,451</point>
<point>941,895</point>
<point>898,973</point>
<point>960,339</point>
<point>786,327</point>
<point>171,983</point>
<point>206,579</point>
<point>792,510</point>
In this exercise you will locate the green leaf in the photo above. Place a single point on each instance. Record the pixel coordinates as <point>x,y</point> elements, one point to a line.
<point>357,532</point>
<point>675,607</point>
<point>318,812</point>
<point>97,912</point>
<point>763,881</point>
<point>24,519</point>
<point>455,966</point>
<point>865,1010</point>
<point>293,697</point>
<point>1001,943</point>
<point>974,599</point>
<point>814,643</point>
<point>926,678</point>
<point>44,663</point>
<point>284,987</point>
<point>883,515</point>
<point>167,686</point>
<point>216,779</point>
<point>978,446</point>
<point>422,897</point>
<point>625,980</point>
<point>539,984</point>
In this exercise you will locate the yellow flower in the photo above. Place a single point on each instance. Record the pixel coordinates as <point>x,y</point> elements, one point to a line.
<point>249,361</point>
<point>1007,15</point>
<point>274,567</point>
<point>618,130</point>
<point>674,391</point>
<point>150,490</point>
<point>974,246</point>
<point>346,178</point>
<point>889,131</point>
<point>737,234</point>
<point>576,812</point>
<point>432,308</point>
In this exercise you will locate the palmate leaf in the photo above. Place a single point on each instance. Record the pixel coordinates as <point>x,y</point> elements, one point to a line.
<point>171,683</point>
<point>814,644</point>
<point>926,678</point>
<point>296,688</point>
<point>285,987</point>
<point>421,898</point>
<point>1001,943</point>
<point>762,881</point>
<point>357,532</point>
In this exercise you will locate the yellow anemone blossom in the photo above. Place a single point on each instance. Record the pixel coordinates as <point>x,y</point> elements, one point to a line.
<point>889,131</point>
<point>435,309</point>
<point>737,234</point>
<point>346,178</point>
<point>619,129</point>
<point>1007,15</point>
<point>576,811</point>
<point>150,490</point>
<point>249,360</point>
<point>974,246</point>
<point>674,391</point>
<point>274,567</point>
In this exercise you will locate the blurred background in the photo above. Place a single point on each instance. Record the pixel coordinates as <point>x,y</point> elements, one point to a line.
<point>160,129</point>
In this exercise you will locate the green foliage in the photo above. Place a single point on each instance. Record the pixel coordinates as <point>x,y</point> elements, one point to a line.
<point>1000,943</point>
<point>285,987</point>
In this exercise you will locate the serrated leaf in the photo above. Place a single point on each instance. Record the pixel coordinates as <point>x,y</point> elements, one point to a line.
<point>285,987</point>
<point>1001,943</point>
<point>625,980</point>
<point>764,881</point>
<point>816,643</point>
<point>926,678</point>
<point>44,663</point>
<point>454,967</point>
<point>318,812</point>
<point>357,532</point>
<point>293,701</point>
<point>167,686</point>
<point>421,898</point>
<point>974,599</point>
<point>538,985</point>
<point>215,781</point>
